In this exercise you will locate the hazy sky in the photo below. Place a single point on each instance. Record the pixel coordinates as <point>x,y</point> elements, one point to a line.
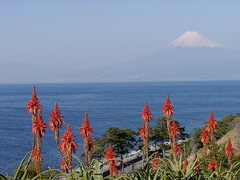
<point>87,34</point>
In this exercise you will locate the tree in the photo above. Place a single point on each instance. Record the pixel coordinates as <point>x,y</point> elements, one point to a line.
<point>197,138</point>
<point>122,140</point>
<point>159,133</point>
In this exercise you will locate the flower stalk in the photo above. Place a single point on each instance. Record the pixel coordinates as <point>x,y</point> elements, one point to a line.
<point>110,155</point>
<point>86,132</point>
<point>205,140</point>
<point>68,146</point>
<point>168,111</point>
<point>34,108</point>
<point>38,130</point>
<point>144,132</point>
<point>229,151</point>
<point>56,123</point>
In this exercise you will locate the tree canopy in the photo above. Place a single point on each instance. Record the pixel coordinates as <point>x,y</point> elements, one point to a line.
<point>159,133</point>
<point>122,140</point>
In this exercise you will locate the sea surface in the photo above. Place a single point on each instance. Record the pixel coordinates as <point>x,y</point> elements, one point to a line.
<point>108,104</point>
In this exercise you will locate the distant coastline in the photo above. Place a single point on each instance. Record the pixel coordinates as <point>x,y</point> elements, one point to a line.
<point>97,82</point>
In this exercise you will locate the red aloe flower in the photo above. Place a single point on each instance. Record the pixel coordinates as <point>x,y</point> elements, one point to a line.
<point>110,153</point>
<point>56,119</point>
<point>33,105</point>
<point>113,163</point>
<point>68,144</point>
<point>39,131</point>
<point>155,162</point>
<point>211,124</point>
<point>205,139</point>
<point>56,123</point>
<point>229,151</point>
<point>212,165</point>
<point>176,149</point>
<point>144,131</point>
<point>168,108</point>
<point>185,164</point>
<point>174,129</point>
<point>39,127</point>
<point>36,154</point>
<point>37,157</point>
<point>86,129</point>
<point>86,132</point>
<point>204,136</point>
<point>146,114</point>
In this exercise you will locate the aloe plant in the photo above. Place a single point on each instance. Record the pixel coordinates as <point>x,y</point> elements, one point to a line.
<point>233,173</point>
<point>3,177</point>
<point>82,171</point>
<point>21,170</point>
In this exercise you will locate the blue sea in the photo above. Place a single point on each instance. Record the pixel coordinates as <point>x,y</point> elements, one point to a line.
<point>108,104</point>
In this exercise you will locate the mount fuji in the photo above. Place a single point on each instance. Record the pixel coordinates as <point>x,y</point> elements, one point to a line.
<point>194,39</point>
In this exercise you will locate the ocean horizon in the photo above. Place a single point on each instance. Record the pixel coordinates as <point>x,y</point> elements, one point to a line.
<point>118,104</point>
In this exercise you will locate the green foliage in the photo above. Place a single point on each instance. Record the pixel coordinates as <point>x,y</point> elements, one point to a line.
<point>3,177</point>
<point>82,171</point>
<point>196,138</point>
<point>146,172</point>
<point>193,144</point>
<point>175,169</point>
<point>22,169</point>
<point>231,173</point>
<point>219,152</point>
<point>26,170</point>
<point>169,169</point>
<point>225,125</point>
<point>86,171</point>
<point>187,149</point>
<point>122,140</point>
<point>159,133</point>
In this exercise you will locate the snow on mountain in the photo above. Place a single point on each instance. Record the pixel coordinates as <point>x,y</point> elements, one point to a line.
<point>193,39</point>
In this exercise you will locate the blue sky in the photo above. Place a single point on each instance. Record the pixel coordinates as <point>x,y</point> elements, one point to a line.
<point>97,33</point>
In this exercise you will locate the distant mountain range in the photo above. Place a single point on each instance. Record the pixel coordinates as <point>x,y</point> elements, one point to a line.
<point>190,57</point>
<point>175,64</point>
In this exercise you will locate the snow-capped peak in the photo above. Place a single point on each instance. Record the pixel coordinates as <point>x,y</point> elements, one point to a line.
<point>193,39</point>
